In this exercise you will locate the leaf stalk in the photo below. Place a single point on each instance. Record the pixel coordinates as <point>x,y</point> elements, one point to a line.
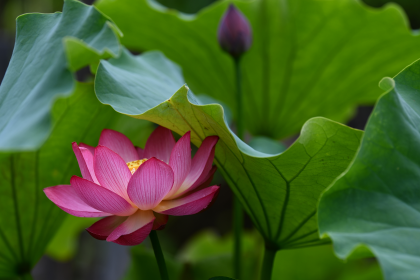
<point>268,261</point>
<point>238,214</point>
<point>159,255</point>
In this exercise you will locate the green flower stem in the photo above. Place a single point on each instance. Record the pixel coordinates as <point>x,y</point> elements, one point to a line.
<point>159,255</point>
<point>238,214</point>
<point>267,267</point>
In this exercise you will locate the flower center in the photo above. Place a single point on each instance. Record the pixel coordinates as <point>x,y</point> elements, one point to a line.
<point>134,165</point>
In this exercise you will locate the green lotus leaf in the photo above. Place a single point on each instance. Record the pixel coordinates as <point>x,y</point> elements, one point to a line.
<point>376,202</point>
<point>279,192</point>
<point>28,220</point>
<point>309,58</point>
<point>266,145</point>
<point>48,47</point>
<point>186,6</point>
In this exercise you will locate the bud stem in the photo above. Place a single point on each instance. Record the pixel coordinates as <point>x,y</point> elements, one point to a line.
<point>159,255</point>
<point>239,100</point>
<point>238,214</point>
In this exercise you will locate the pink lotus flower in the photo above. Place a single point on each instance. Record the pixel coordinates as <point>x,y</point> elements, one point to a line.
<point>137,189</point>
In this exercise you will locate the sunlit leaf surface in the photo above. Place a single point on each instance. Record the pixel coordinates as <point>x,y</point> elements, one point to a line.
<point>309,58</point>
<point>376,203</point>
<point>280,193</point>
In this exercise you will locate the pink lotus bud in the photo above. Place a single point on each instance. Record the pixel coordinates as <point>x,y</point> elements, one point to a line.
<point>234,34</point>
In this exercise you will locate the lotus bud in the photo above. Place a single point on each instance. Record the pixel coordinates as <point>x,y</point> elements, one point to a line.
<point>234,34</point>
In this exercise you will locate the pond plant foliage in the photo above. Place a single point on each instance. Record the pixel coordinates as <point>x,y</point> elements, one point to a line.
<point>310,64</point>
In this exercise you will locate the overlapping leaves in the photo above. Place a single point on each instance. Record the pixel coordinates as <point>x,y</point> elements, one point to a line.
<point>309,57</point>
<point>279,192</point>
<point>376,202</point>
<point>28,219</point>
<point>47,47</point>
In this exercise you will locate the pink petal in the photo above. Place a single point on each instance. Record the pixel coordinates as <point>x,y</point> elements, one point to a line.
<point>204,184</point>
<point>160,144</point>
<point>111,170</point>
<point>82,163</point>
<point>118,143</point>
<point>140,152</point>
<point>134,230</point>
<point>87,153</point>
<point>65,197</point>
<point>207,169</point>
<point>100,198</point>
<point>188,205</point>
<point>200,166</point>
<point>160,221</point>
<point>180,161</point>
<point>90,148</point>
<point>196,187</point>
<point>150,183</point>
<point>104,227</point>
<point>88,157</point>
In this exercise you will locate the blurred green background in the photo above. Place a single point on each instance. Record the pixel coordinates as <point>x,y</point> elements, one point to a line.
<point>197,247</point>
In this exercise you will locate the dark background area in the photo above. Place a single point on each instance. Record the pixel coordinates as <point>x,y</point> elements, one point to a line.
<point>106,261</point>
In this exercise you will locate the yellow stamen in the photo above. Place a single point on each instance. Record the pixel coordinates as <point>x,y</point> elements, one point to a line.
<point>134,165</point>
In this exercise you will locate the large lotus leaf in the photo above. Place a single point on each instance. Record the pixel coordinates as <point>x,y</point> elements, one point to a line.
<point>186,6</point>
<point>47,47</point>
<point>376,202</point>
<point>28,219</point>
<point>412,8</point>
<point>279,192</point>
<point>309,58</point>
<point>320,263</point>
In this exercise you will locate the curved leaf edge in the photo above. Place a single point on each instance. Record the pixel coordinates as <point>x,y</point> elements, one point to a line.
<point>397,13</point>
<point>95,55</point>
<point>184,94</point>
<point>361,250</point>
<point>191,17</point>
